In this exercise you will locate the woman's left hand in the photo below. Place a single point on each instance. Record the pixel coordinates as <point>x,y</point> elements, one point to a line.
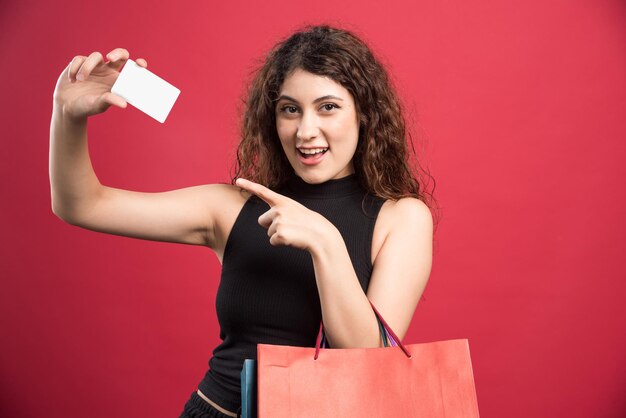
<point>289,222</point>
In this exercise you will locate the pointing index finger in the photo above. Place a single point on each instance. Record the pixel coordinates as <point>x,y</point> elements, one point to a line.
<point>269,196</point>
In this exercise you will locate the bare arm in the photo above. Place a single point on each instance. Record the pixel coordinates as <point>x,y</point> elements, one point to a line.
<point>73,182</point>
<point>183,216</point>
<point>83,89</point>
<point>77,196</point>
<point>400,274</point>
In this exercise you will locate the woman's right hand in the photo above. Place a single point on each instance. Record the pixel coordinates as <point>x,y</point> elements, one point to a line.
<point>84,87</point>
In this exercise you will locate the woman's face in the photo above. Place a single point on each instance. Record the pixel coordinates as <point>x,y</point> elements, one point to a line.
<point>315,113</point>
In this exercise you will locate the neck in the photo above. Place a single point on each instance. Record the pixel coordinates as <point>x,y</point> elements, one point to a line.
<point>329,189</point>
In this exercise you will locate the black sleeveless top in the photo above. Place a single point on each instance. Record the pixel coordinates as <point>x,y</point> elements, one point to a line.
<point>268,294</point>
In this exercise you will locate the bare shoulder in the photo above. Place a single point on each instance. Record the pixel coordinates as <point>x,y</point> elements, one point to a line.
<point>228,196</point>
<point>405,214</point>
<point>412,211</point>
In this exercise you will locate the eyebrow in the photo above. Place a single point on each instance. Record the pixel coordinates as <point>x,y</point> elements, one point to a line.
<point>319,99</point>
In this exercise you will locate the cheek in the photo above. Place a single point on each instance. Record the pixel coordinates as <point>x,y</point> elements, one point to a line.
<point>347,129</point>
<point>284,130</point>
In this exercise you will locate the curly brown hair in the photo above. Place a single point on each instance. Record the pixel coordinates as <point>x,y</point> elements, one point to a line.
<point>381,160</point>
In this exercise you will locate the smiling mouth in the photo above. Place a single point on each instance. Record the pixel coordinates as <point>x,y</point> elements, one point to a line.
<point>306,156</point>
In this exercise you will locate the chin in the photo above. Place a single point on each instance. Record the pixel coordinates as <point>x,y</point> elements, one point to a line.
<point>312,178</point>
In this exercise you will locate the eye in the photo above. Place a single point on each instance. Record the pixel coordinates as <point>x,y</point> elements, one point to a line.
<point>289,109</point>
<point>329,106</point>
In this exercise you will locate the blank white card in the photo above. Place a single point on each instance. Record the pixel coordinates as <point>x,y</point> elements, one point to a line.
<point>145,90</point>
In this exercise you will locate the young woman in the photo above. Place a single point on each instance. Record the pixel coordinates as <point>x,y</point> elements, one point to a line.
<point>323,213</point>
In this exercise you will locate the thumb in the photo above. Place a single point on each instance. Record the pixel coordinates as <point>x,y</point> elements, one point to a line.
<point>114,99</point>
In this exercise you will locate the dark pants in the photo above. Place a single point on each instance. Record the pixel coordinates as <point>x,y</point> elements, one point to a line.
<point>196,407</point>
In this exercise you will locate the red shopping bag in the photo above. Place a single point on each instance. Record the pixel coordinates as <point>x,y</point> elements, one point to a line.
<point>415,380</point>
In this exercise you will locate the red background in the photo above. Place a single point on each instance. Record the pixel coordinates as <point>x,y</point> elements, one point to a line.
<point>520,107</point>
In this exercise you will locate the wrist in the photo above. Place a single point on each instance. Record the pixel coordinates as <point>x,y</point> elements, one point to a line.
<point>61,115</point>
<point>326,243</point>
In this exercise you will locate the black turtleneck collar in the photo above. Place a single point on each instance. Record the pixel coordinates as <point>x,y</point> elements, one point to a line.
<point>330,189</point>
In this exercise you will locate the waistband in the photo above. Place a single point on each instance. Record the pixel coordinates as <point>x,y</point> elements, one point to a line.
<point>196,403</point>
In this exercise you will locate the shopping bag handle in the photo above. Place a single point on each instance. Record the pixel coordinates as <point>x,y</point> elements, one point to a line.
<point>386,333</point>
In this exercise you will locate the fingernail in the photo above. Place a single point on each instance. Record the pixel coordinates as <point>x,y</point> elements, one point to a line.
<point>113,57</point>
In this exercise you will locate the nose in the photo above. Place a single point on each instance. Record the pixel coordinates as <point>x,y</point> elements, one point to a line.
<point>308,127</point>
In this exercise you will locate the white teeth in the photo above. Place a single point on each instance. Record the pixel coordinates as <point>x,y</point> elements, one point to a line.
<point>313,151</point>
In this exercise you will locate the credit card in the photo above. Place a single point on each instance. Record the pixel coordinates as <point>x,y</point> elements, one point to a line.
<point>145,90</point>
